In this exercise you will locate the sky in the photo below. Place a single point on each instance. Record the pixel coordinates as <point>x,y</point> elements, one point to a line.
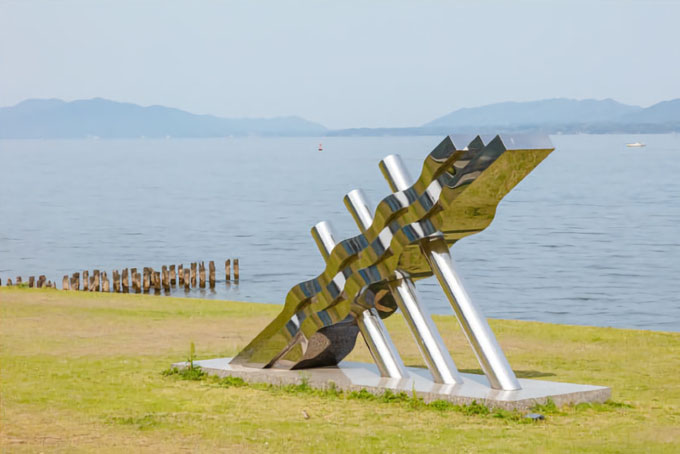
<point>341,63</point>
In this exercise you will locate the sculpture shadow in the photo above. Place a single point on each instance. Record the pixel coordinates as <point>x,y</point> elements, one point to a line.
<point>518,373</point>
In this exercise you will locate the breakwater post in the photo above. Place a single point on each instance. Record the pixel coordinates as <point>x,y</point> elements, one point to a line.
<point>116,281</point>
<point>124,280</point>
<point>97,281</point>
<point>157,281</point>
<point>106,285</point>
<point>138,281</point>
<point>166,279</point>
<point>135,280</point>
<point>201,275</point>
<point>186,280</point>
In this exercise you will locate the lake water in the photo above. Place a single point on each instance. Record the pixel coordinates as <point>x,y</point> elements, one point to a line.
<point>591,237</point>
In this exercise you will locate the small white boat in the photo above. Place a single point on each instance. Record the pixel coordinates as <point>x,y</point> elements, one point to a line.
<point>636,145</point>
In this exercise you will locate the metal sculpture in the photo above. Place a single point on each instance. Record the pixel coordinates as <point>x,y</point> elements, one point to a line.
<point>370,276</point>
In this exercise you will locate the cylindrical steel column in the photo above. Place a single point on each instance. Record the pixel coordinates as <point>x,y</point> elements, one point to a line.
<point>373,330</point>
<point>475,326</point>
<point>425,333</point>
<point>380,345</point>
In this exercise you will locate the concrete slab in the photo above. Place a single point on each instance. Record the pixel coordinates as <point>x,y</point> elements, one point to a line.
<point>350,376</point>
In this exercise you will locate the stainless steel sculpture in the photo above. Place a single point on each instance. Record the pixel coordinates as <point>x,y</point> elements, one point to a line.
<point>369,276</point>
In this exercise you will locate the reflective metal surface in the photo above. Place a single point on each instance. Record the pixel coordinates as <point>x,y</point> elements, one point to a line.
<point>456,194</point>
<point>370,324</point>
<point>425,333</point>
<point>476,329</point>
<point>380,345</point>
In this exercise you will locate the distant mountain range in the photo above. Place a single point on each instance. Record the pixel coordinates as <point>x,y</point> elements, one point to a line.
<point>54,118</point>
<point>550,116</point>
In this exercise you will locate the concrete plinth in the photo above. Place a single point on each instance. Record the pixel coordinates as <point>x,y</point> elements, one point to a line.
<point>349,376</point>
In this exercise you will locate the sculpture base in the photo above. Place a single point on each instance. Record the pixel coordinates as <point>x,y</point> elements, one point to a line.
<point>350,376</point>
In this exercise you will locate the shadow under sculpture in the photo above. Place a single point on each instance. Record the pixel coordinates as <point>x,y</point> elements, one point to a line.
<point>369,276</point>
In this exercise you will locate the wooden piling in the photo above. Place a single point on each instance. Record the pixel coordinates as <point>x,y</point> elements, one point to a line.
<point>18,280</point>
<point>235,270</point>
<point>211,273</point>
<point>135,281</point>
<point>97,280</point>
<point>90,284</point>
<point>41,281</point>
<point>227,270</point>
<point>124,281</point>
<point>65,283</point>
<point>86,281</point>
<point>31,281</point>
<point>9,282</point>
<point>180,274</point>
<point>186,279</point>
<point>116,281</point>
<point>147,280</point>
<point>106,285</point>
<point>75,281</point>
<point>173,275</point>
<point>138,282</point>
<point>193,274</point>
<point>201,275</point>
<point>157,281</point>
<point>166,279</point>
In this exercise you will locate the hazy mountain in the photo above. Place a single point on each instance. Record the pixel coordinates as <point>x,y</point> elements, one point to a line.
<point>54,118</point>
<point>544,112</point>
<point>663,112</point>
<point>549,116</point>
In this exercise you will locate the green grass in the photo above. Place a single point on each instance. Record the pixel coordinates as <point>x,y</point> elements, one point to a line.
<point>83,372</point>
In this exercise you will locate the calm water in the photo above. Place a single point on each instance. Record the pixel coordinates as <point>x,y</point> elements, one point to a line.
<point>591,237</point>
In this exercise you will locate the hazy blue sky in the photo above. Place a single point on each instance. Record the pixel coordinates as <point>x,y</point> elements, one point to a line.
<point>341,63</point>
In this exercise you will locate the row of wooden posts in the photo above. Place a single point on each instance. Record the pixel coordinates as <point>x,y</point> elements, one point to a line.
<point>133,281</point>
<point>42,282</point>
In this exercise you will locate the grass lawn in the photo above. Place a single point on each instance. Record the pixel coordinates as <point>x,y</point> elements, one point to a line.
<point>83,372</point>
